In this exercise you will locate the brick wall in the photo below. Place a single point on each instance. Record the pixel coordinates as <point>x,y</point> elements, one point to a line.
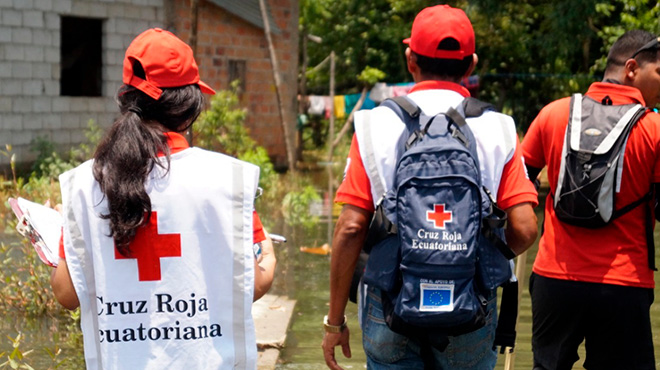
<point>30,62</point>
<point>223,37</point>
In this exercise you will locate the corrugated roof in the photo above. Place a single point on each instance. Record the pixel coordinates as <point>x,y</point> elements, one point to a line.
<point>249,11</point>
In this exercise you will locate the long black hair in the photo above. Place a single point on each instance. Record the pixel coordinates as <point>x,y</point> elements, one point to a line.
<point>129,152</point>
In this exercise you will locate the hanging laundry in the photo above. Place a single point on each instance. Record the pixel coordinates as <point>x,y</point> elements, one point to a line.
<point>340,106</point>
<point>368,103</point>
<point>401,90</point>
<point>380,92</point>
<point>301,121</point>
<point>352,99</point>
<point>328,106</point>
<point>316,105</point>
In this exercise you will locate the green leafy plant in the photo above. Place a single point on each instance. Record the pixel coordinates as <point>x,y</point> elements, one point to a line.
<point>370,75</point>
<point>51,164</point>
<point>296,207</point>
<point>16,358</point>
<point>12,164</point>
<point>222,128</point>
<point>26,281</point>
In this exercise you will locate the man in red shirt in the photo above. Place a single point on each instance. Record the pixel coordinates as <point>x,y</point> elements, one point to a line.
<point>597,284</point>
<point>440,53</point>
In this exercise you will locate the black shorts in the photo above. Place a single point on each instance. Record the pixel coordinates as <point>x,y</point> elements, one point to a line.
<point>613,320</point>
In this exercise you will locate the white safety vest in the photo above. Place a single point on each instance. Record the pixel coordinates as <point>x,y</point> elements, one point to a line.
<point>185,305</point>
<point>379,134</point>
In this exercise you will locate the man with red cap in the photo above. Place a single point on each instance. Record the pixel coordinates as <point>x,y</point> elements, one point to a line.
<point>441,51</point>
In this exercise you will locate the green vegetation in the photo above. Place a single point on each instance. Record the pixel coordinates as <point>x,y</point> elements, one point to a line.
<point>530,52</point>
<point>296,205</point>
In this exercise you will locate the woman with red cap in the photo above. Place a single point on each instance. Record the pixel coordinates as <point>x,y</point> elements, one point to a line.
<point>158,236</point>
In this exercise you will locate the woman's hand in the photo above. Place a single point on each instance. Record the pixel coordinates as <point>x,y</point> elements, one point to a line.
<point>264,270</point>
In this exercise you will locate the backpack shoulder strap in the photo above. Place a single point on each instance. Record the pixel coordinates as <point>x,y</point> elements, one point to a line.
<point>474,107</point>
<point>409,113</point>
<point>407,105</point>
<point>405,109</point>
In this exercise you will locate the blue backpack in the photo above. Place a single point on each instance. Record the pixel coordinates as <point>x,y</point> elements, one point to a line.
<point>437,234</point>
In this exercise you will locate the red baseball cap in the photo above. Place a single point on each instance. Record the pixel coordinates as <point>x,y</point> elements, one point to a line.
<point>436,24</point>
<point>167,62</point>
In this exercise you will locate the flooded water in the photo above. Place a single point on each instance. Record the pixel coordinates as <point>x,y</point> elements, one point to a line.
<point>300,276</point>
<point>305,277</point>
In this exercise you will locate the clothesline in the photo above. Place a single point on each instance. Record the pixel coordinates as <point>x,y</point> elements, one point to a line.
<point>321,105</point>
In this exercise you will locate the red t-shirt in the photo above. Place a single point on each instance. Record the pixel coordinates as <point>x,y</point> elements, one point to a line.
<point>514,187</point>
<point>177,143</point>
<point>615,254</point>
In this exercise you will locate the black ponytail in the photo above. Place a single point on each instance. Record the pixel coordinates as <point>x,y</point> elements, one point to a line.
<point>129,152</point>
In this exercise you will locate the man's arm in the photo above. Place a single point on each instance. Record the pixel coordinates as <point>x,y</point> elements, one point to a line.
<point>350,233</point>
<point>521,229</point>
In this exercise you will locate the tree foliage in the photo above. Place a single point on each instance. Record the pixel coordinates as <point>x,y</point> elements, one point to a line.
<point>363,34</point>
<point>530,51</point>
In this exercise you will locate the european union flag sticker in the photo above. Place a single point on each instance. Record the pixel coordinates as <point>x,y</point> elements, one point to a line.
<point>436,297</point>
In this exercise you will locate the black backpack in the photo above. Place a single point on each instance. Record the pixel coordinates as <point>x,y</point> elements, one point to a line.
<point>592,162</point>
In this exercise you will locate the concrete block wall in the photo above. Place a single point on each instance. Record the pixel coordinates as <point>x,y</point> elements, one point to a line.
<point>30,101</point>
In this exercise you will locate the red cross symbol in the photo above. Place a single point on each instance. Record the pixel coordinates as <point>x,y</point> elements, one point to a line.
<point>438,216</point>
<point>149,246</point>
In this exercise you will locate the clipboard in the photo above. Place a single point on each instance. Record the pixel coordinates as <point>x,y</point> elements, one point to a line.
<point>41,225</point>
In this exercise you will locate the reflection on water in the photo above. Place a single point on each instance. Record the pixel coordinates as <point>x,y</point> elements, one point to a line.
<point>41,339</point>
<point>305,278</point>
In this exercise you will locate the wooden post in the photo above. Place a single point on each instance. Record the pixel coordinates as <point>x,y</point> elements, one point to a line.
<point>194,20</point>
<point>170,15</point>
<point>278,89</point>
<point>331,134</point>
<point>349,120</point>
<point>302,95</point>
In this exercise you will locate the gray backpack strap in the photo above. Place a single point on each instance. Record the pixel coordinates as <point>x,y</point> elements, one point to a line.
<point>407,105</point>
<point>575,119</point>
<point>474,107</point>
<point>370,166</point>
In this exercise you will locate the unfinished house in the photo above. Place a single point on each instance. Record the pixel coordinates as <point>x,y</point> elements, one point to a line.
<point>61,63</point>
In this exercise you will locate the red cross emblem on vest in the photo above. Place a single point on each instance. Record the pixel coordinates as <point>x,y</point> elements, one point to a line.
<point>438,216</point>
<point>149,246</point>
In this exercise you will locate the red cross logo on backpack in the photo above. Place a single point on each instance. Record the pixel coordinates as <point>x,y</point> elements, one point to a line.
<point>439,216</point>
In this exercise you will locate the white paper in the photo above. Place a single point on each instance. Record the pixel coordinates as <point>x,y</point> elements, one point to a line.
<point>47,224</point>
